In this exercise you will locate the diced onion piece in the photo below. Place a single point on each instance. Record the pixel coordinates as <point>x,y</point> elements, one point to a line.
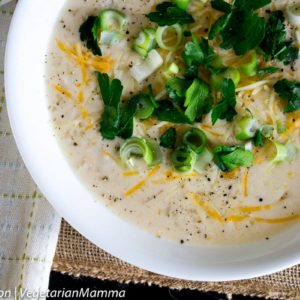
<point>203,160</point>
<point>246,128</point>
<point>250,68</point>
<point>148,66</point>
<point>162,32</point>
<point>183,4</point>
<point>183,159</point>
<point>109,37</point>
<point>195,139</point>
<point>145,42</point>
<point>112,20</point>
<point>137,148</point>
<point>293,14</point>
<point>145,108</point>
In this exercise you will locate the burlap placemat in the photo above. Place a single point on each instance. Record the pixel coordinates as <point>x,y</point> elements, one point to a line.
<point>77,256</point>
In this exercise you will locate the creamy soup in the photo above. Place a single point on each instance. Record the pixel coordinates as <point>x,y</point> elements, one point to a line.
<point>218,204</point>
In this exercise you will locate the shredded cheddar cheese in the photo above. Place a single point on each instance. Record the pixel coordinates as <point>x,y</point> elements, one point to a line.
<point>130,173</point>
<point>141,183</point>
<point>209,210</point>
<point>86,59</point>
<point>245,183</point>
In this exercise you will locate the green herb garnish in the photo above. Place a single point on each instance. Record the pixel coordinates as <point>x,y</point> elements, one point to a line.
<point>168,138</point>
<point>225,109</point>
<point>176,88</point>
<point>227,158</point>
<point>275,44</point>
<point>198,100</point>
<point>290,91</point>
<point>170,112</point>
<point>168,13</point>
<point>267,71</point>
<point>259,139</point>
<point>240,28</point>
<point>89,34</point>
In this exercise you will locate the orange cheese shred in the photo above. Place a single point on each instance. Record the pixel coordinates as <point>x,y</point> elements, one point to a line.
<point>232,174</point>
<point>245,183</point>
<point>209,210</point>
<point>130,173</point>
<point>141,183</point>
<point>85,59</point>
<point>276,220</point>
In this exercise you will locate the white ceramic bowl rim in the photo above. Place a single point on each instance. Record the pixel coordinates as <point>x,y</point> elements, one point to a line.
<point>28,39</point>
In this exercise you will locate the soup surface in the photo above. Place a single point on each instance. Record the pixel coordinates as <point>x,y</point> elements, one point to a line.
<point>215,205</point>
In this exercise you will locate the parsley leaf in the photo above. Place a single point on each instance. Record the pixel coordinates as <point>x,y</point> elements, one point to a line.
<point>221,5</point>
<point>176,88</point>
<point>253,4</point>
<point>290,91</point>
<point>259,139</point>
<point>89,34</point>
<point>275,44</point>
<point>225,109</point>
<point>168,138</point>
<point>241,28</point>
<point>196,54</point>
<point>115,120</point>
<point>168,13</point>
<point>227,158</point>
<point>198,100</point>
<point>169,112</point>
<point>267,70</point>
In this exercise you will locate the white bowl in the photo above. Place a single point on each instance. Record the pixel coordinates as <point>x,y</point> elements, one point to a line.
<point>29,35</point>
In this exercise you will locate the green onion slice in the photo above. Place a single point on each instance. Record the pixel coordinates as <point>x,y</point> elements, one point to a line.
<point>203,160</point>
<point>112,20</point>
<point>145,42</point>
<point>183,4</point>
<point>250,68</point>
<point>231,73</point>
<point>145,108</point>
<point>267,131</point>
<point>171,71</point>
<point>183,159</point>
<point>195,139</point>
<point>136,148</point>
<point>280,153</point>
<point>109,37</point>
<point>246,128</point>
<point>164,41</point>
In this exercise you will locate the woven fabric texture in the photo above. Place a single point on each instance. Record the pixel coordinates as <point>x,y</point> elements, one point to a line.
<point>29,226</point>
<point>77,256</point>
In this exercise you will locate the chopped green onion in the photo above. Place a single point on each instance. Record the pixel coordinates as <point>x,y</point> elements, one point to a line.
<point>148,67</point>
<point>292,151</point>
<point>246,128</point>
<point>139,148</point>
<point>183,159</point>
<point>250,68</point>
<point>163,31</point>
<point>172,70</point>
<point>145,42</point>
<point>109,37</point>
<point>281,127</point>
<point>293,14</point>
<point>203,160</point>
<point>112,20</point>
<point>183,4</point>
<point>259,139</point>
<point>195,139</point>
<point>157,154</point>
<point>267,131</point>
<point>145,108</point>
<point>231,73</point>
<point>280,152</point>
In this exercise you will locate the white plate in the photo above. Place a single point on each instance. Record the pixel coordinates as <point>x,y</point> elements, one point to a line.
<point>28,39</point>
